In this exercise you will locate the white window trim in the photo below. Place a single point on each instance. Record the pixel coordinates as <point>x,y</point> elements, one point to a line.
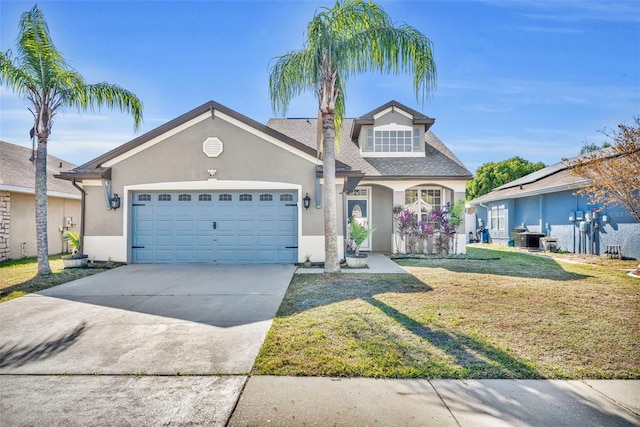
<point>391,127</point>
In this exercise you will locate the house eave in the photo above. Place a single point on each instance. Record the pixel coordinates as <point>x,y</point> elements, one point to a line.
<point>85,174</point>
<point>26,190</point>
<point>526,193</point>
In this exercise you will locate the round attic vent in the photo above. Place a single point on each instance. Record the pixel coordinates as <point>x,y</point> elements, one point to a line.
<point>212,147</point>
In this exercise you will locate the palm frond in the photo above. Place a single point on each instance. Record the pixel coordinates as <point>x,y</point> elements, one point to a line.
<point>291,75</point>
<point>113,97</point>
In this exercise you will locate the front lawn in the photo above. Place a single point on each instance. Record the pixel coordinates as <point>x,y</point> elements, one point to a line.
<point>18,277</point>
<point>520,316</point>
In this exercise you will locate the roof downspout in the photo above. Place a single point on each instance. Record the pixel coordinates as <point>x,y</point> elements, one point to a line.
<point>82,194</point>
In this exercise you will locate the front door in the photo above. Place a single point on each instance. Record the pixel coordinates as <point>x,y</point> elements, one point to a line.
<point>358,209</point>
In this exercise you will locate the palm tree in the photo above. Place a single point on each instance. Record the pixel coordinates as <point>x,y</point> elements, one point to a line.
<point>352,37</point>
<point>40,74</point>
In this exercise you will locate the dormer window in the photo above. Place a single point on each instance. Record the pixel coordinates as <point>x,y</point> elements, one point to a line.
<point>393,141</point>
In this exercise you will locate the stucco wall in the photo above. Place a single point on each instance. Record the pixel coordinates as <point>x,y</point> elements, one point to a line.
<point>382,203</point>
<point>180,158</point>
<point>23,228</point>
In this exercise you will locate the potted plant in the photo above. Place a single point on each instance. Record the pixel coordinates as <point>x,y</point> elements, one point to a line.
<point>76,259</point>
<point>307,261</point>
<point>358,234</point>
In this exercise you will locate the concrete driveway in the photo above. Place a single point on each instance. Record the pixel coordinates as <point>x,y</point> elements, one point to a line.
<point>141,328</point>
<point>145,319</point>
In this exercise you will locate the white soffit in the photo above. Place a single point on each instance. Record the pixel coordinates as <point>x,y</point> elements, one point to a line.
<point>389,110</point>
<point>212,147</point>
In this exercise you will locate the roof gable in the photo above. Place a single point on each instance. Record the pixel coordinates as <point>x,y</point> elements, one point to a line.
<point>391,106</point>
<point>210,108</point>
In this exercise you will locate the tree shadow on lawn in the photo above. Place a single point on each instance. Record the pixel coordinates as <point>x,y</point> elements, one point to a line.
<point>512,264</point>
<point>458,355</point>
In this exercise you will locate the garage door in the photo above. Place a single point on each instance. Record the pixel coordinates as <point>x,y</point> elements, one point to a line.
<point>232,227</point>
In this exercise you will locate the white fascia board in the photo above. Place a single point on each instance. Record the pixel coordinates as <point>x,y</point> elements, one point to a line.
<point>25,190</point>
<point>390,109</point>
<point>265,136</point>
<point>156,140</point>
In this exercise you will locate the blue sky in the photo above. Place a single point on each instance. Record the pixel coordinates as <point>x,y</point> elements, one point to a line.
<point>535,79</point>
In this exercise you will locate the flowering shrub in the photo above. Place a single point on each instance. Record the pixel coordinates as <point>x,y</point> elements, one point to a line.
<point>414,232</point>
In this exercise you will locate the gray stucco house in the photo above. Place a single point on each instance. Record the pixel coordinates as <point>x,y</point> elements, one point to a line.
<point>215,186</point>
<point>545,203</point>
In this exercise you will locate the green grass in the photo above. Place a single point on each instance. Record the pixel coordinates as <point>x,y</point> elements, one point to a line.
<point>18,277</point>
<point>516,317</point>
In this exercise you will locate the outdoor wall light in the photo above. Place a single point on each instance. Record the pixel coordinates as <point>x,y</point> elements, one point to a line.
<point>115,202</point>
<point>306,201</point>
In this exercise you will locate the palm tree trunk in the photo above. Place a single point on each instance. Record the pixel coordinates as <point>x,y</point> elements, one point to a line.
<point>331,261</point>
<point>42,241</point>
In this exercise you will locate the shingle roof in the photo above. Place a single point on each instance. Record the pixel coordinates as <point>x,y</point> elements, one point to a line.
<point>18,174</point>
<point>547,180</point>
<point>438,161</point>
<point>553,178</point>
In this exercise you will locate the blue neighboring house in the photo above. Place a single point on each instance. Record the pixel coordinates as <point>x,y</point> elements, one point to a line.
<point>543,204</point>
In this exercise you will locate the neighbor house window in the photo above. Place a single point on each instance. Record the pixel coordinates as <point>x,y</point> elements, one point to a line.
<point>498,217</point>
<point>422,201</point>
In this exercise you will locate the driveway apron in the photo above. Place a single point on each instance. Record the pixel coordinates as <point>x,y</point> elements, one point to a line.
<point>145,319</point>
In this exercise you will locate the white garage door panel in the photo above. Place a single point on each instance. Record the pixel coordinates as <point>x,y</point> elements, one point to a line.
<point>215,227</point>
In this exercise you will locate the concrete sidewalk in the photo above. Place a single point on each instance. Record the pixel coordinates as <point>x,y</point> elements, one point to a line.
<point>109,400</point>
<point>377,263</point>
<point>292,401</point>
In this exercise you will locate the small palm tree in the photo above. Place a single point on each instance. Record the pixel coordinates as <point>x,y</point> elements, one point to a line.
<point>352,37</point>
<point>40,74</point>
<point>73,237</point>
<point>359,234</point>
